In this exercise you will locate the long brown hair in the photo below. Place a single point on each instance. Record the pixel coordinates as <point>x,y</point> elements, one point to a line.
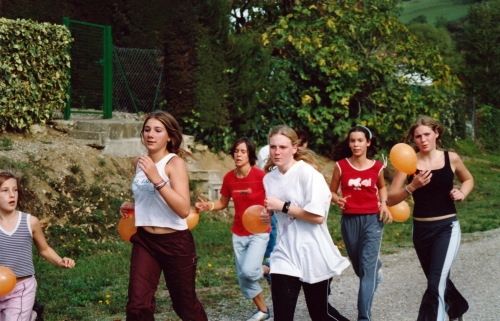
<point>174,132</point>
<point>425,121</point>
<point>306,155</point>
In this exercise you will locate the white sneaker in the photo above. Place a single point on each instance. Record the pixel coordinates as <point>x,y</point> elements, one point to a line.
<point>380,276</point>
<point>260,316</point>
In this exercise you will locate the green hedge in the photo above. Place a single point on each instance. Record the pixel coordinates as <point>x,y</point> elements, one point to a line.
<point>34,64</point>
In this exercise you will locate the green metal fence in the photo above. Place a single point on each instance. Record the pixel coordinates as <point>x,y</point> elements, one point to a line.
<point>91,84</point>
<point>137,76</point>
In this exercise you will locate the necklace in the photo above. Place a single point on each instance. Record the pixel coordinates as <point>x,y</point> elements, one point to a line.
<point>238,175</point>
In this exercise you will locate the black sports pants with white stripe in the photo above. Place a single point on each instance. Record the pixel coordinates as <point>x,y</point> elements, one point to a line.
<point>436,244</point>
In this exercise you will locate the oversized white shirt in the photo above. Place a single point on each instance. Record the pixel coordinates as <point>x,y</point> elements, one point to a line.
<point>304,250</point>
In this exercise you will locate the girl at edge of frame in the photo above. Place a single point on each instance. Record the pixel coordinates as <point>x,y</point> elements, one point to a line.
<point>364,209</point>
<point>304,255</point>
<point>18,231</point>
<point>244,185</point>
<point>436,230</point>
<point>163,241</point>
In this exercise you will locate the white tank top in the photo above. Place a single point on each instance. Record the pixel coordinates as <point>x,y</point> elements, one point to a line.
<point>150,207</point>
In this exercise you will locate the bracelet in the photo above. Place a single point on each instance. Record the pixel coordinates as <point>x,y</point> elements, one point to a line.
<point>462,193</point>
<point>160,186</point>
<point>212,207</point>
<point>159,183</point>
<point>383,201</point>
<point>407,190</point>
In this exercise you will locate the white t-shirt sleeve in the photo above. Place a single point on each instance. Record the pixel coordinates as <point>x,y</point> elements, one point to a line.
<point>317,195</point>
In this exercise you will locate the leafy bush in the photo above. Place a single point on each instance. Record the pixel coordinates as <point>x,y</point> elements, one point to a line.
<point>488,122</point>
<point>33,72</point>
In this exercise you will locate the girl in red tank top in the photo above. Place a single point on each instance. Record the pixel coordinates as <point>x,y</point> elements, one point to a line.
<point>364,210</point>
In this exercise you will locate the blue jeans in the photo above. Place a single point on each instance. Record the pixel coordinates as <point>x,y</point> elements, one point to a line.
<point>272,238</point>
<point>248,254</point>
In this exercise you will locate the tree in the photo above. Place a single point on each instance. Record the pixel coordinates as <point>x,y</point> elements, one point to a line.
<point>439,38</point>
<point>480,45</point>
<point>353,62</point>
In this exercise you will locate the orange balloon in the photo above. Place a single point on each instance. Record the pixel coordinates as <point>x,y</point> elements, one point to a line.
<point>404,158</point>
<point>251,220</point>
<point>7,280</point>
<point>400,212</point>
<point>192,219</point>
<point>127,226</point>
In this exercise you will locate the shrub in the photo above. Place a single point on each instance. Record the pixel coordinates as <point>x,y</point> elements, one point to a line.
<point>33,72</point>
<point>488,122</point>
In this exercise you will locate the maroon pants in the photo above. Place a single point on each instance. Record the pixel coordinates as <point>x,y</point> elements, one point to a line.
<point>175,255</point>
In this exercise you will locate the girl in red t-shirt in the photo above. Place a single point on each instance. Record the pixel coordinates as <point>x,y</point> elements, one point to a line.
<point>364,210</point>
<point>245,186</point>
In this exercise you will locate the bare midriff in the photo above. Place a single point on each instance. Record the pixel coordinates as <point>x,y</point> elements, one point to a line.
<point>158,230</point>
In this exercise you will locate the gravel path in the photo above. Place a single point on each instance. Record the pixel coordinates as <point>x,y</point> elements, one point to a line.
<point>476,273</point>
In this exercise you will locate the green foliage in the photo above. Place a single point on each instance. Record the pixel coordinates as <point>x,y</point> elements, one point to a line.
<point>195,39</point>
<point>351,62</point>
<point>440,38</point>
<point>212,83</point>
<point>418,19</point>
<point>5,144</point>
<point>33,72</point>
<point>488,126</point>
<point>479,45</point>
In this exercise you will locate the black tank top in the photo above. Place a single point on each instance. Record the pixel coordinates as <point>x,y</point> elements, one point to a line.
<point>433,199</point>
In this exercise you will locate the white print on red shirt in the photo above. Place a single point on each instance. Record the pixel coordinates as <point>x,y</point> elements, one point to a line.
<point>357,183</point>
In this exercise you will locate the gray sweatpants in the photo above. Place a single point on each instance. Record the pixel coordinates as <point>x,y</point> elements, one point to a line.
<point>362,234</point>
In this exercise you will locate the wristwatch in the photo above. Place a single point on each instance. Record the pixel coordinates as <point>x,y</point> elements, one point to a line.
<point>286,207</point>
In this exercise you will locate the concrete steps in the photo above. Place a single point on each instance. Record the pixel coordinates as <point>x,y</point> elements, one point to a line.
<point>121,138</point>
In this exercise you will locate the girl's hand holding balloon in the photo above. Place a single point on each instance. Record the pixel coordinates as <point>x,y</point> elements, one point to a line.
<point>265,216</point>
<point>457,195</point>
<point>126,208</point>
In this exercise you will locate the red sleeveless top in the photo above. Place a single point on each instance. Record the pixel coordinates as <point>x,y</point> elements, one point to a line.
<point>361,186</point>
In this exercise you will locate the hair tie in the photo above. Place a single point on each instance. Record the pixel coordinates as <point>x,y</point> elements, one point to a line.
<point>369,132</point>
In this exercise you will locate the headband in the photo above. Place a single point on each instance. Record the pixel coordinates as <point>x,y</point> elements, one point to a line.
<point>369,132</point>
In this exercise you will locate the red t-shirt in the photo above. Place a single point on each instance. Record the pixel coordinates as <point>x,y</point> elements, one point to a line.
<point>361,185</point>
<point>245,192</point>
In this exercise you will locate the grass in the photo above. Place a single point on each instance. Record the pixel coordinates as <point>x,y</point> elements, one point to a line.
<point>5,144</point>
<point>432,9</point>
<point>97,288</point>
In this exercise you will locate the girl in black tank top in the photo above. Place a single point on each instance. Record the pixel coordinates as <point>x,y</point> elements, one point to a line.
<point>433,199</point>
<point>436,230</point>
